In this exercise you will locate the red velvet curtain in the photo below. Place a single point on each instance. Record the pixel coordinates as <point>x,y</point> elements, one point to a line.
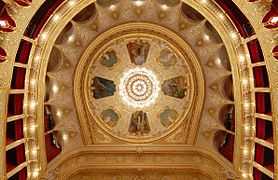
<point>275,52</point>
<point>260,76</point>
<point>23,52</point>
<point>18,79</point>
<point>267,20</point>
<point>255,51</point>
<point>9,22</point>
<point>228,149</point>
<point>15,107</point>
<point>20,156</point>
<point>3,55</point>
<point>51,150</point>
<point>263,103</point>
<point>262,154</point>
<point>23,2</point>
<point>241,22</point>
<point>16,156</point>
<point>40,18</point>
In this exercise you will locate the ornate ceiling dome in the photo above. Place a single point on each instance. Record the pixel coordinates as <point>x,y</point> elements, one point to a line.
<point>139,81</point>
<point>138,89</point>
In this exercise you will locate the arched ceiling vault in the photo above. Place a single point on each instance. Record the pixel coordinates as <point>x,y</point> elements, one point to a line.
<point>42,47</point>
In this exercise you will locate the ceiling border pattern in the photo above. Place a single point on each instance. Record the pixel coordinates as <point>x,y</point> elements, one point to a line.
<point>147,157</point>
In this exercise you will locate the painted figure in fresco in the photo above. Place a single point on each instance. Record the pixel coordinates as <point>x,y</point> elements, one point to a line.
<point>138,52</point>
<point>175,87</point>
<point>139,124</point>
<point>167,58</point>
<point>109,59</point>
<point>168,116</point>
<point>103,87</point>
<point>110,117</point>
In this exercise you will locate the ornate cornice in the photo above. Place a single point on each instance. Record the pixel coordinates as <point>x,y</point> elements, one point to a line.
<point>101,157</point>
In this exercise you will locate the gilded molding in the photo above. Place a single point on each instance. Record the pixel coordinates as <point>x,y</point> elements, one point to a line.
<point>146,157</point>
<point>3,120</point>
<point>268,40</point>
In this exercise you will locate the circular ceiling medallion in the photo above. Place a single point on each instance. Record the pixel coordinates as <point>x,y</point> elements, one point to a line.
<point>139,82</point>
<point>139,87</point>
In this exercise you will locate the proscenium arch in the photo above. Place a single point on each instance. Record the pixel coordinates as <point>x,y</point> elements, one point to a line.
<point>224,28</point>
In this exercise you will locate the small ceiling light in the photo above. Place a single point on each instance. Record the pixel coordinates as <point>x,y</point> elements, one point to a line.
<point>247,129</point>
<point>25,129</point>
<point>233,35</point>
<point>138,2</point>
<point>32,105</point>
<point>245,175</point>
<point>3,23</point>
<point>274,20</point>
<point>218,61</point>
<point>34,151</point>
<point>55,88</point>
<point>59,113</point>
<point>32,128</point>
<point>245,151</point>
<point>71,2</point>
<point>35,172</point>
<point>56,17</point>
<point>33,82</point>
<point>164,7</point>
<point>245,82</point>
<point>112,7</point>
<point>65,136</point>
<point>44,36</point>
<point>241,58</point>
<point>71,38</point>
<point>221,16</point>
<point>37,58</point>
<point>206,37</point>
<point>139,87</point>
<point>246,106</point>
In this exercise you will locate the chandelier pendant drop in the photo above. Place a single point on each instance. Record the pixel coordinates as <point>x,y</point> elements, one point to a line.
<point>139,87</point>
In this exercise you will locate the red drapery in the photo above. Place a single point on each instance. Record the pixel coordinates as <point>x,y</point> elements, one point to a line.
<point>40,18</point>
<point>228,149</point>
<point>268,19</point>
<point>51,150</point>
<point>23,52</point>
<point>241,22</point>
